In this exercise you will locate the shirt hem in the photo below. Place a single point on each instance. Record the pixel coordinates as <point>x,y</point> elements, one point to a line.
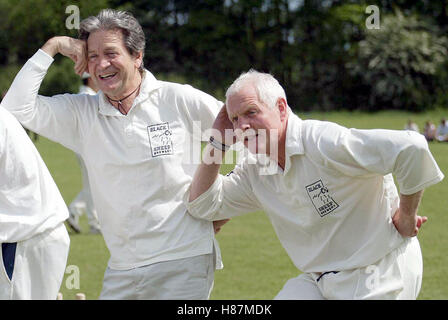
<point>162,258</point>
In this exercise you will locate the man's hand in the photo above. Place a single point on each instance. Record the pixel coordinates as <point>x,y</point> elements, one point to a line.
<point>73,48</point>
<point>208,170</point>
<point>408,226</point>
<point>218,224</point>
<point>405,219</point>
<point>225,127</point>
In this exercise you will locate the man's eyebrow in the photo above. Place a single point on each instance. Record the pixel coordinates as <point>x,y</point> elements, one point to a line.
<point>247,107</point>
<point>104,49</point>
<point>242,110</point>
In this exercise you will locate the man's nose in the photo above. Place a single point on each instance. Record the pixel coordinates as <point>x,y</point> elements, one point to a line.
<point>241,127</point>
<point>243,124</point>
<point>104,63</point>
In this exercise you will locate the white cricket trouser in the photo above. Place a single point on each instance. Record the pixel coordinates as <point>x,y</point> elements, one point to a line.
<point>182,279</point>
<point>39,267</point>
<point>397,276</point>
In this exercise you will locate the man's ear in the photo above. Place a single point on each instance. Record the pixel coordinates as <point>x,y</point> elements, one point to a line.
<point>138,59</point>
<point>282,108</point>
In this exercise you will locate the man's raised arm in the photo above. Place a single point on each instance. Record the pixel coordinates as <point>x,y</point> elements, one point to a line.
<point>212,196</point>
<point>73,48</point>
<point>213,155</point>
<point>52,117</point>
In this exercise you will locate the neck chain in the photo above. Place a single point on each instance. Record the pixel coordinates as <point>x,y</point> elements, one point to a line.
<point>120,105</point>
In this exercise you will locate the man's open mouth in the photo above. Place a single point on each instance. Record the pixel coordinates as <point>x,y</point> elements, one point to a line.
<point>250,137</point>
<point>107,76</point>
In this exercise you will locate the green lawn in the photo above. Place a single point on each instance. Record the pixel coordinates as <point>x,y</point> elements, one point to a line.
<point>256,266</point>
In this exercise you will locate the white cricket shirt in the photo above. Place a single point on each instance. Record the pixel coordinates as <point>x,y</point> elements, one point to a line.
<point>139,165</point>
<point>30,202</point>
<point>333,204</point>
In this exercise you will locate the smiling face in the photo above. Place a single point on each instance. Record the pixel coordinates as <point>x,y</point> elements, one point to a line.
<point>113,68</point>
<point>257,125</point>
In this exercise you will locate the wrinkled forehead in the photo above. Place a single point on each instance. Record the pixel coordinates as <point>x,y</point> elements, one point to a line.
<point>242,98</point>
<point>105,38</point>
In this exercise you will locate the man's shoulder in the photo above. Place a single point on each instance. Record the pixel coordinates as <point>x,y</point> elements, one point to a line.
<point>322,138</point>
<point>81,99</point>
<point>7,119</point>
<point>11,130</point>
<point>174,87</point>
<point>312,128</point>
<point>85,105</point>
<point>181,91</point>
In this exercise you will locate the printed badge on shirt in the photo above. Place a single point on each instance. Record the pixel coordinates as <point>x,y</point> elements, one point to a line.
<point>321,198</point>
<point>160,139</point>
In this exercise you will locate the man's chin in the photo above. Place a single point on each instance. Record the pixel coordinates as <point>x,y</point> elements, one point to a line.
<point>109,91</point>
<point>254,146</point>
<point>255,149</point>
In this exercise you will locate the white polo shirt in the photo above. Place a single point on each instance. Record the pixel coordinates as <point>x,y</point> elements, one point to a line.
<point>333,204</point>
<point>30,202</point>
<point>139,165</point>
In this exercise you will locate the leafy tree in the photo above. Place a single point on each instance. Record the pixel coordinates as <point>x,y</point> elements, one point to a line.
<point>26,25</point>
<point>399,63</point>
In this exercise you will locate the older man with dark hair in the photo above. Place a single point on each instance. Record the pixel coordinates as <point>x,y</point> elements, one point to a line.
<point>135,137</point>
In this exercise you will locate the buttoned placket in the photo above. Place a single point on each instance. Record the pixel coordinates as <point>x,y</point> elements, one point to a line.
<point>128,129</point>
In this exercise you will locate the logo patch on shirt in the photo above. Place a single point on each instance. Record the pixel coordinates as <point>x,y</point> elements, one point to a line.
<point>321,199</point>
<point>160,139</point>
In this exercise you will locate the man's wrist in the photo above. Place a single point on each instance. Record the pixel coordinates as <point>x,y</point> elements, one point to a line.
<point>51,47</point>
<point>409,204</point>
<point>218,145</point>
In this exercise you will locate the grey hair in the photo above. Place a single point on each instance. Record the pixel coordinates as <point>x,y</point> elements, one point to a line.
<point>267,87</point>
<point>109,19</point>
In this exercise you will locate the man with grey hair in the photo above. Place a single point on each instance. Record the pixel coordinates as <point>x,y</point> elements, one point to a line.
<point>134,137</point>
<point>332,198</point>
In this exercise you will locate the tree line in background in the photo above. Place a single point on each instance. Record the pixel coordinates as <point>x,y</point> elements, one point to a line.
<point>320,50</point>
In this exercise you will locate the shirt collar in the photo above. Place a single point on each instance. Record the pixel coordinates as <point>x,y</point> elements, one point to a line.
<point>293,146</point>
<point>294,143</point>
<point>149,84</point>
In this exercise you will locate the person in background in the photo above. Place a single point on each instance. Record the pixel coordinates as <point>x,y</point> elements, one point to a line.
<point>411,125</point>
<point>88,85</point>
<point>83,202</point>
<point>430,131</point>
<point>442,131</point>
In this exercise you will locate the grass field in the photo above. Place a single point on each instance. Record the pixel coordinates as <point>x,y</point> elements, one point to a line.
<point>256,266</point>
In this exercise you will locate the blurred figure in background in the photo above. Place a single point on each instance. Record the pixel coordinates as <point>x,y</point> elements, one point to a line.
<point>411,125</point>
<point>442,131</point>
<point>88,86</point>
<point>429,131</point>
<point>83,202</point>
